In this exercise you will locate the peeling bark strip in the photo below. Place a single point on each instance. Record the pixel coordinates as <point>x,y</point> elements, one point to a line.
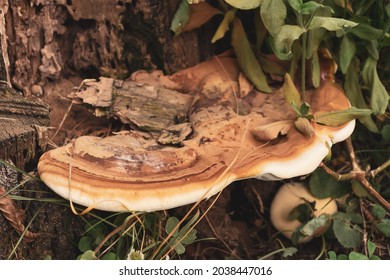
<point>148,107</point>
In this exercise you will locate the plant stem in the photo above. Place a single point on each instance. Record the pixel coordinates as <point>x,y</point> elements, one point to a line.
<point>358,174</point>
<point>303,61</point>
<point>303,57</point>
<point>380,168</point>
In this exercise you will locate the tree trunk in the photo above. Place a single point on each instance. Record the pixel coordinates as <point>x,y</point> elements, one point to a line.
<point>47,48</point>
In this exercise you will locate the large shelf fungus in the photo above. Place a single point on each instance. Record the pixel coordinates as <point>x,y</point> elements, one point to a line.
<point>133,171</point>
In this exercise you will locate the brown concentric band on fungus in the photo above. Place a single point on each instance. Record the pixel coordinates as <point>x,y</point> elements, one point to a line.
<point>127,172</point>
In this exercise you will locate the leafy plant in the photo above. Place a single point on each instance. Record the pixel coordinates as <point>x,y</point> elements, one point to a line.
<point>356,255</point>
<point>355,36</point>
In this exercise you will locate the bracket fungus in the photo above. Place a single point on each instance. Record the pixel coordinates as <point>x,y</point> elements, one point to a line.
<point>290,196</point>
<point>132,171</point>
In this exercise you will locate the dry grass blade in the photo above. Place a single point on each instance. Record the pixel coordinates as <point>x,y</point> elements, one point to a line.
<point>15,215</point>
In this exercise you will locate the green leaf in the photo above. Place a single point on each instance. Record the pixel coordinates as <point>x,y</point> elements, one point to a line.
<point>171,224</point>
<point>286,37</point>
<point>384,227</point>
<point>296,4</point>
<point>322,185</point>
<point>347,53</point>
<point>372,48</point>
<point>304,109</point>
<point>342,257</point>
<point>247,59</point>
<point>244,4</point>
<point>315,37</point>
<point>190,237</point>
<point>357,256</point>
<point>180,249</point>
<point>273,13</point>
<point>370,248</point>
<point>311,7</point>
<point>290,92</point>
<point>224,26</point>
<point>88,255</point>
<point>109,256</point>
<point>387,8</point>
<point>316,226</point>
<point>358,189</point>
<point>315,70</point>
<point>379,95</point>
<point>338,118</point>
<point>386,132</point>
<point>366,32</point>
<point>332,255</point>
<point>354,93</point>
<point>330,23</point>
<point>348,235</point>
<point>85,243</point>
<point>181,17</point>
<point>378,211</point>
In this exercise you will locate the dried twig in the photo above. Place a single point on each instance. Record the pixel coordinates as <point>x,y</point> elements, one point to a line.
<point>360,175</point>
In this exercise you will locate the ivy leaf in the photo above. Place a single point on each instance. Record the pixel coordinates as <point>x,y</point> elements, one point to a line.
<point>224,26</point>
<point>322,185</point>
<point>273,13</point>
<point>347,53</point>
<point>379,95</point>
<point>244,4</point>
<point>181,17</point>
<point>330,23</point>
<point>247,59</point>
<point>338,118</point>
<point>286,36</point>
<point>348,235</point>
